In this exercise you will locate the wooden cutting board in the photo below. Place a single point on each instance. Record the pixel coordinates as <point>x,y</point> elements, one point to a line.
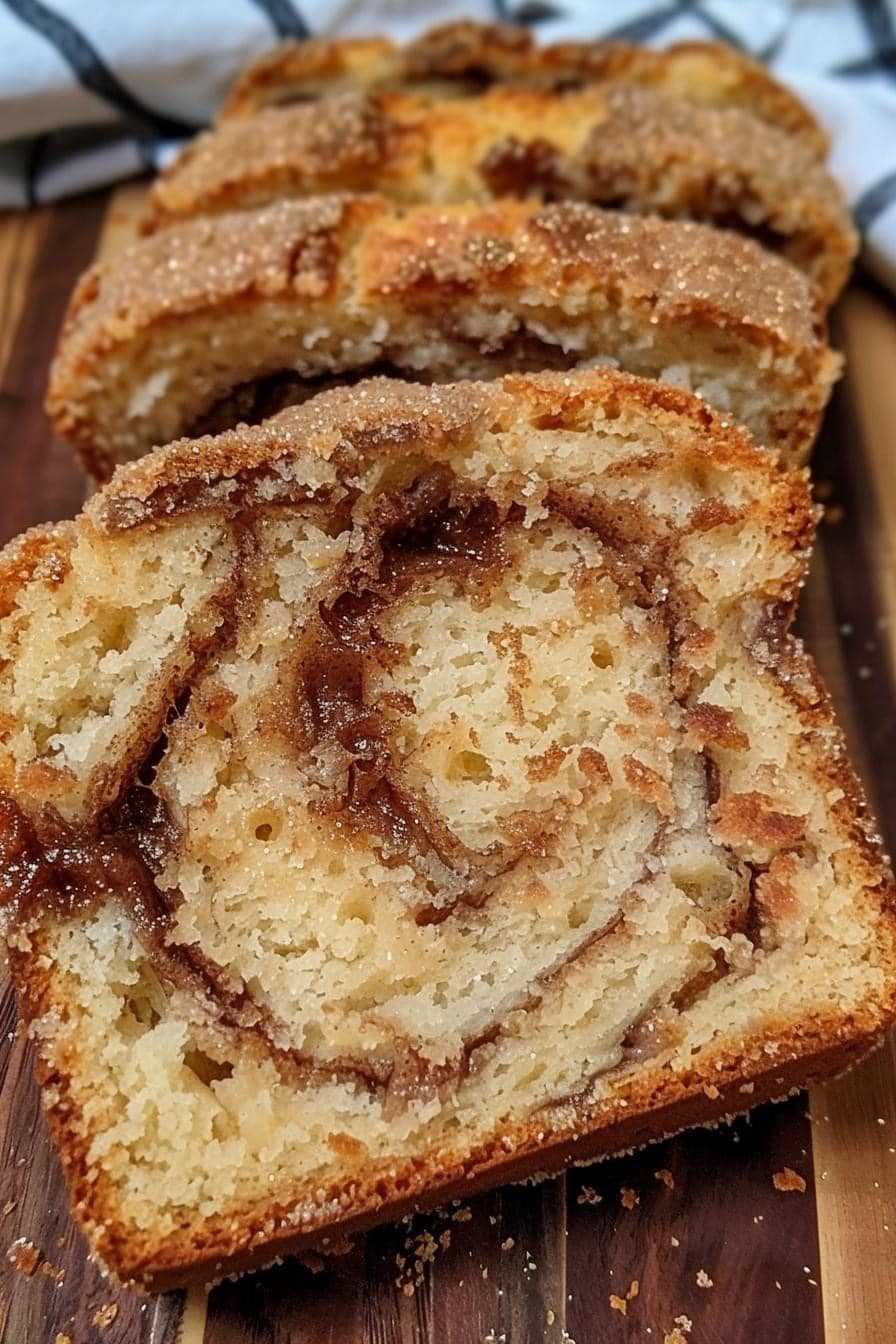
<point>689,1236</point>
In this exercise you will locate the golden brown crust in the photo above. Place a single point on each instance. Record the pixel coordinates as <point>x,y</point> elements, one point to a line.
<point>338,255</point>
<point>621,145</point>
<point>384,420</point>
<point>41,552</point>
<point>381,416</point>
<point>462,56</point>
<point>658,1106</point>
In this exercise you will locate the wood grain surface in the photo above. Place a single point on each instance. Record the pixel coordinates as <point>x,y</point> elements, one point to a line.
<point>689,1236</point>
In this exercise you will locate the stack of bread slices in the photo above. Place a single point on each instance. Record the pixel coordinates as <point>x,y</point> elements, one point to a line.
<point>408,778</point>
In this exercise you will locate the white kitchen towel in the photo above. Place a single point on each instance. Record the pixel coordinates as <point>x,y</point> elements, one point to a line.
<point>92,91</point>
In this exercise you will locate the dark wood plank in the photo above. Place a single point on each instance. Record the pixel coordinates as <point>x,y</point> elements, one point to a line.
<point>533,1270</point>
<point>849,617</point>
<point>39,479</point>
<point>724,1217</point>
<point>482,1269</point>
<point>469,1277</point>
<point>856,555</point>
<point>20,235</point>
<point>290,1303</point>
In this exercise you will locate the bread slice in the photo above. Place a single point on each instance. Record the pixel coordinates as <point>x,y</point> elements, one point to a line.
<point>465,57</point>
<point>416,792</point>
<point>227,319</point>
<point>616,144</point>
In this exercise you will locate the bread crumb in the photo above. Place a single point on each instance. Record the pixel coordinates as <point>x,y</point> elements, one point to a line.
<point>618,1304</point>
<point>507,1244</point>
<point>550,1317</point>
<point>629,1197</point>
<point>8,1207</point>
<point>673,1241</point>
<point>63,1339</point>
<point>666,1177</point>
<point>710,1090</point>
<point>587,1195</point>
<point>674,1337</point>
<point>633,1291</point>
<point>463,1215</point>
<point>24,1255</point>
<point>105,1315</point>
<point>703,1279</point>
<point>788,1179</point>
<point>685,1322</point>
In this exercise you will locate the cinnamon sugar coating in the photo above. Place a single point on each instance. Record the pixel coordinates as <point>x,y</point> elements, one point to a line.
<point>621,145</point>
<point>463,56</point>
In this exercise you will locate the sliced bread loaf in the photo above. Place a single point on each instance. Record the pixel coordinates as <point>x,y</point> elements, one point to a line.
<point>617,145</point>
<point>419,791</point>
<point>465,57</point>
<point>222,320</point>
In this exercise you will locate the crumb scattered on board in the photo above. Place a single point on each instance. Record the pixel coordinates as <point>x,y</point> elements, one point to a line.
<point>588,1195</point>
<point>629,1197</point>
<point>105,1315</point>
<point>421,1248</point>
<point>788,1179</point>
<point>666,1177</point>
<point>618,1303</point>
<point>703,1279</point>
<point>24,1255</point>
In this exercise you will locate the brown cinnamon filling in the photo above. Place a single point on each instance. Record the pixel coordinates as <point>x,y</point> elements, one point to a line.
<point>72,870</point>
<point>69,871</point>
<point>429,527</point>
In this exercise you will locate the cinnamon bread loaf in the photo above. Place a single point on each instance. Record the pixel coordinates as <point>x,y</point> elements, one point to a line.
<point>619,145</point>
<point>414,792</point>
<point>227,319</point>
<point>464,57</point>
